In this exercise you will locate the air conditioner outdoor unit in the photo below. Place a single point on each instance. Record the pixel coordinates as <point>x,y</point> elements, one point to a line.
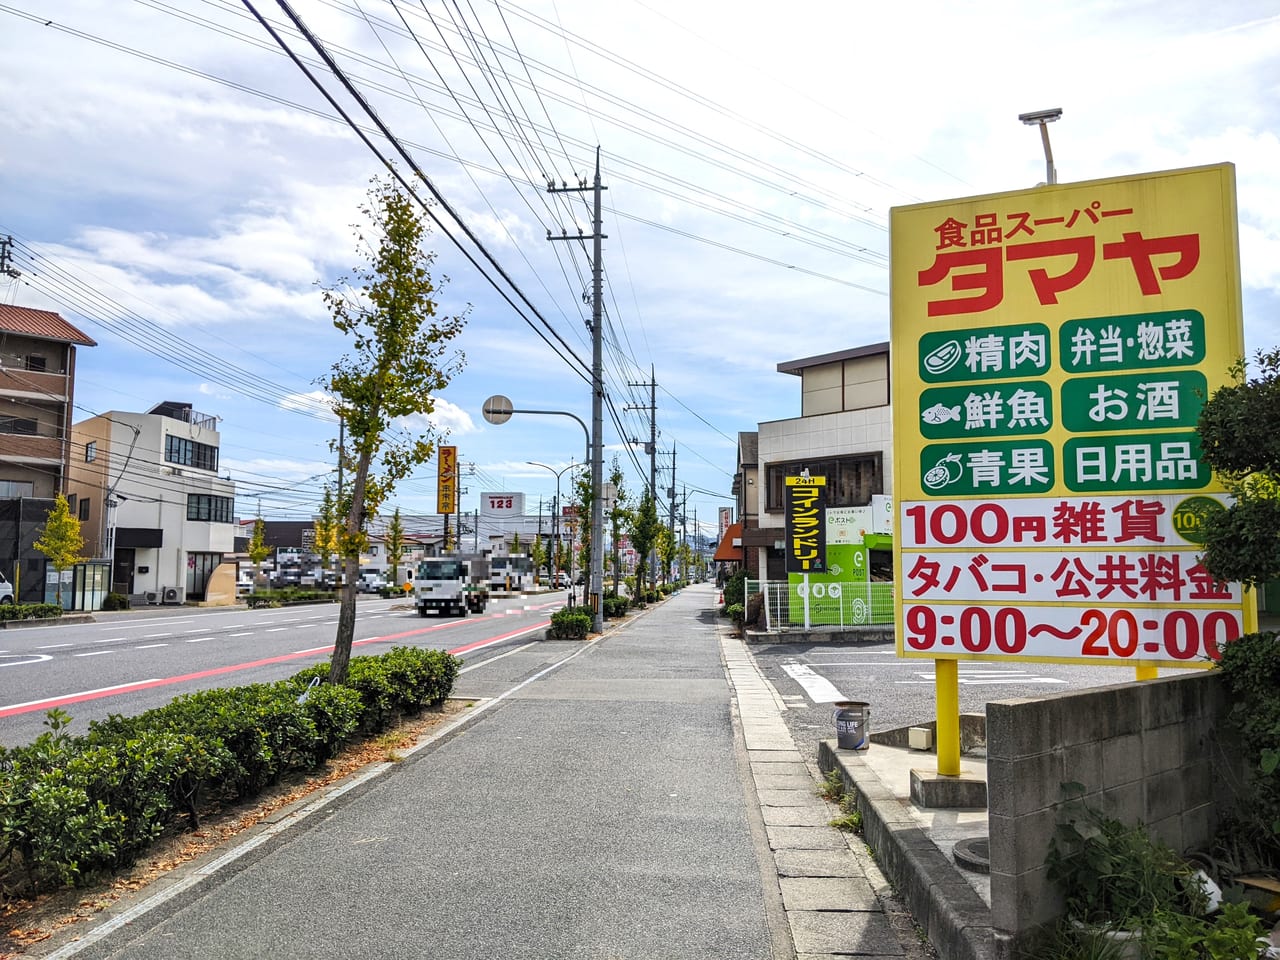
<point>152,597</point>
<point>170,594</point>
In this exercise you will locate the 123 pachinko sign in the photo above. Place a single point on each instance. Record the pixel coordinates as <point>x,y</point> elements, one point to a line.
<point>1051,349</point>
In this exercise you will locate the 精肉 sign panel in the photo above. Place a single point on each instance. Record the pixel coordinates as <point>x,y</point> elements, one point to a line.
<point>1051,350</point>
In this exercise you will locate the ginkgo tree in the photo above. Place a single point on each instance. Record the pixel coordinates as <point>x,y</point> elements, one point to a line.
<point>401,356</point>
<point>61,541</point>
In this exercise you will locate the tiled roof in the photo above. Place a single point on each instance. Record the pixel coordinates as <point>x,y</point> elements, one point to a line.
<point>44,324</point>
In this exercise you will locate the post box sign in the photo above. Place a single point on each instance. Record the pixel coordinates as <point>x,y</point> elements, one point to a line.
<point>806,509</point>
<point>447,481</point>
<point>1051,350</point>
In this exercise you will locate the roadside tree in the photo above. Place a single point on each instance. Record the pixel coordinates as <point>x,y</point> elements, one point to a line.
<point>395,546</point>
<point>384,390</point>
<point>538,557</point>
<point>617,515</point>
<point>644,527</point>
<point>666,551</point>
<point>326,529</point>
<point>258,550</point>
<point>60,541</point>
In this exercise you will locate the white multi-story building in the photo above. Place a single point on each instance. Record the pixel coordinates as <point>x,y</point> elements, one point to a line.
<point>169,517</point>
<point>844,433</point>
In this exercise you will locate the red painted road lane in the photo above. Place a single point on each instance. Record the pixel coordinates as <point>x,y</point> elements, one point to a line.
<point>51,702</point>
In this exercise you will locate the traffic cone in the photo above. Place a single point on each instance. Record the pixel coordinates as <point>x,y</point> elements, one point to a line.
<point>720,602</point>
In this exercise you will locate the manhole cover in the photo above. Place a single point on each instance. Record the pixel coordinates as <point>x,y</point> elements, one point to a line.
<point>974,854</point>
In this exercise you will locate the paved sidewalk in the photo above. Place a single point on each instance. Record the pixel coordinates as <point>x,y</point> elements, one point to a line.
<point>642,800</point>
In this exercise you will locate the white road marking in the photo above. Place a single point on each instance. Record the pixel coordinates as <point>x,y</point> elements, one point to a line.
<point>111,640</point>
<point>193,631</point>
<point>54,646</point>
<point>199,639</point>
<point>819,689</point>
<point>151,646</point>
<point>30,658</point>
<point>983,679</point>
<point>277,629</point>
<point>82,693</point>
<point>152,636</point>
<point>93,653</point>
<point>249,634</point>
<point>499,656</point>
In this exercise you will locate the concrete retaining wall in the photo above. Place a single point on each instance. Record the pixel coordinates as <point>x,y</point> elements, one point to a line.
<point>1145,752</point>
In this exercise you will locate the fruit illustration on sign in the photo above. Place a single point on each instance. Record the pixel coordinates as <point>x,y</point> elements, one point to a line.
<point>944,473</point>
<point>943,358</point>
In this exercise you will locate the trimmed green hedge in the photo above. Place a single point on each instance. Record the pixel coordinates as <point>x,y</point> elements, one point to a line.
<point>75,807</point>
<point>277,598</point>
<point>570,623</point>
<point>615,606</point>
<point>29,611</point>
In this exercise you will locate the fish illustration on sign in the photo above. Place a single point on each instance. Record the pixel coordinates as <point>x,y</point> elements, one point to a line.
<point>940,413</point>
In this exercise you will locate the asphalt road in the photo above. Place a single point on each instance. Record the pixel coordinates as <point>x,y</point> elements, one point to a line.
<point>128,662</point>
<point>809,677</point>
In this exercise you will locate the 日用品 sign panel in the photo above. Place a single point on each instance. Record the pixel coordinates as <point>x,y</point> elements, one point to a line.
<point>1051,349</point>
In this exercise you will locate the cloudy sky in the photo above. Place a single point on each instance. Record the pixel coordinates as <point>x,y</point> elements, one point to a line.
<point>178,188</point>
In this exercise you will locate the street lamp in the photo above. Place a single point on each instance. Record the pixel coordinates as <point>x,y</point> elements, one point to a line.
<point>1043,118</point>
<point>555,515</point>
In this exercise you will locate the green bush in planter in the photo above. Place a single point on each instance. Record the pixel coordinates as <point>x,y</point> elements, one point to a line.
<point>570,623</point>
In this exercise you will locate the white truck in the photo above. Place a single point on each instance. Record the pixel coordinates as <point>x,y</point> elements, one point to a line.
<point>451,585</point>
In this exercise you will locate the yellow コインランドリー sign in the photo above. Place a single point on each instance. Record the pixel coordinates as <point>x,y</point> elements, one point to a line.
<point>1051,349</point>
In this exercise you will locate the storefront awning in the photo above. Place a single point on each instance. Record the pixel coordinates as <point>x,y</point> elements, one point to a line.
<point>730,549</point>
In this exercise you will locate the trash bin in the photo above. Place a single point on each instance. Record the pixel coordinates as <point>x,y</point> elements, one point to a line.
<point>853,722</point>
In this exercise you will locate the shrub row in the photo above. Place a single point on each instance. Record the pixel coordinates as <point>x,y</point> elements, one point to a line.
<point>73,807</point>
<point>29,611</point>
<point>276,598</point>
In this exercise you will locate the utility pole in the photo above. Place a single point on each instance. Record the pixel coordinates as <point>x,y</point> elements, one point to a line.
<point>595,576</point>
<point>651,448</point>
<point>6,259</point>
<point>671,496</point>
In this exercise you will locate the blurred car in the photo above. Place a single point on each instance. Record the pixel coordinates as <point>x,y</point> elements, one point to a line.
<point>370,583</point>
<point>561,580</point>
<point>6,590</point>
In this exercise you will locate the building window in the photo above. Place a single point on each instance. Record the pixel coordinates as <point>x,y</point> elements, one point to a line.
<point>850,480</point>
<point>37,363</point>
<point>373,551</point>
<point>71,502</point>
<point>20,425</point>
<point>188,453</point>
<point>205,506</point>
<point>12,489</point>
<point>91,451</point>
<point>84,508</point>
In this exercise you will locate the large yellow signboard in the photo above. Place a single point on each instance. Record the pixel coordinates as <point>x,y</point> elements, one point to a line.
<point>1051,349</point>
<point>447,481</point>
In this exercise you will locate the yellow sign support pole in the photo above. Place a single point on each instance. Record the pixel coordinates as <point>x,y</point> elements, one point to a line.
<point>1145,671</point>
<point>947,696</point>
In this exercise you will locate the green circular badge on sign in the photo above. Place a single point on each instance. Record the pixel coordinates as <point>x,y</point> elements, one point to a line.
<point>1190,515</point>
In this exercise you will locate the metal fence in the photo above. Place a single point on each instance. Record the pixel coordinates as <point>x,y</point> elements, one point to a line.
<point>823,605</point>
